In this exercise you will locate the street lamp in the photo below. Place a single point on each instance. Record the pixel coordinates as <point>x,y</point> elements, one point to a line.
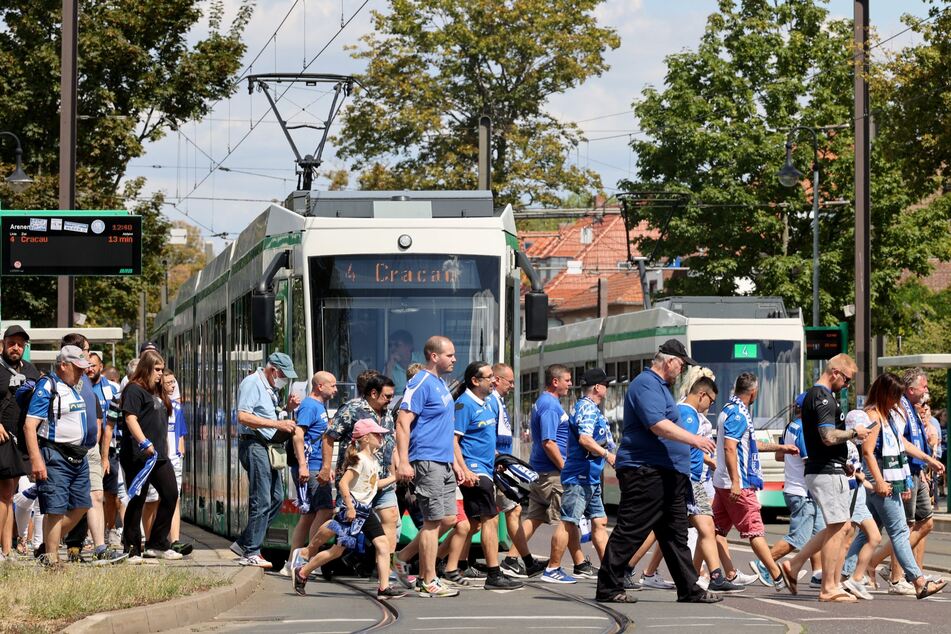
<point>789,176</point>
<point>18,180</point>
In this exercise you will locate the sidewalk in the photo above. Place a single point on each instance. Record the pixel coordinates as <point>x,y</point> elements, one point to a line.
<point>211,556</point>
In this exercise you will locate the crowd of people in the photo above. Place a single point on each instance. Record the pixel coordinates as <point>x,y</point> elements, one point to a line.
<point>82,455</point>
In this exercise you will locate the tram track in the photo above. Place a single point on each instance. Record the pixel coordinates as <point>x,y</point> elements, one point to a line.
<point>619,622</point>
<point>390,615</point>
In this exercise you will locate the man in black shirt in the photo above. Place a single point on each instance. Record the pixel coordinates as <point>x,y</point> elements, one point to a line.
<point>825,435</point>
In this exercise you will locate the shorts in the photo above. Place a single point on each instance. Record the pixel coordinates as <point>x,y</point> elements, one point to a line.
<point>805,520</point>
<point>435,485</point>
<point>110,481</point>
<point>66,486</point>
<point>94,458</point>
<point>832,495</point>
<point>860,513</point>
<point>372,527</point>
<point>581,500</point>
<point>384,498</point>
<point>918,508</point>
<point>744,513</point>
<point>479,500</point>
<point>701,501</point>
<point>544,501</point>
<point>176,460</point>
<point>319,496</point>
<point>504,504</point>
<point>461,512</point>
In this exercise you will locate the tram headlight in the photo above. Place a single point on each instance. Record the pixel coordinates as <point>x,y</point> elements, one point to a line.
<point>404,242</point>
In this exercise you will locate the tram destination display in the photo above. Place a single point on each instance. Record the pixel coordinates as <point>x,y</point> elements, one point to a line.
<point>71,243</point>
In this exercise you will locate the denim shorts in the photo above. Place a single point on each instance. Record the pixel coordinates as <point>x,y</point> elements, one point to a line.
<point>66,486</point>
<point>861,513</point>
<point>385,498</point>
<point>805,520</point>
<point>581,500</point>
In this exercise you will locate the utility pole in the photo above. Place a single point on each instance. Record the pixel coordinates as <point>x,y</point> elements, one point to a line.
<point>67,145</point>
<point>863,313</point>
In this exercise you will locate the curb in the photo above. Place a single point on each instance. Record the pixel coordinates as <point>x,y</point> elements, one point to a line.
<point>168,615</point>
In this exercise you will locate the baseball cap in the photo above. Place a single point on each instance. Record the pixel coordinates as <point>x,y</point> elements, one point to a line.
<point>16,330</point>
<point>74,355</point>
<point>800,400</point>
<point>596,376</point>
<point>366,426</point>
<point>675,348</point>
<point>148,345</point>
<point>283,363</point>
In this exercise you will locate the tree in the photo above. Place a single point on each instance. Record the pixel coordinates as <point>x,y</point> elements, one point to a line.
<point>435,66</point>
<point>184,260</point>
<point>141,73</point>
<point>716,132</point>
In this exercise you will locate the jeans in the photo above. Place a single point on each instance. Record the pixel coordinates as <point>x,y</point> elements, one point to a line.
<point>652,499</point>
<point>890,512</point>
<point>265,494</point>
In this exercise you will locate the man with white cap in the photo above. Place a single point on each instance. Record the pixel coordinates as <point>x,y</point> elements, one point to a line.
<point>58,437</point>
<point>263,426</point>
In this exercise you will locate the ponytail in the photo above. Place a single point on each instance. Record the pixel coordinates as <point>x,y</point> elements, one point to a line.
<point>351,457</point>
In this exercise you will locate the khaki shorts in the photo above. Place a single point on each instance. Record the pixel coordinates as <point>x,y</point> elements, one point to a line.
<point>544,502</point>
<point>95,468</point>
<point>505,505</point>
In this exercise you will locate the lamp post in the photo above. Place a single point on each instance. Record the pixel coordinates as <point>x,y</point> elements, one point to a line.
<point>18,180</point>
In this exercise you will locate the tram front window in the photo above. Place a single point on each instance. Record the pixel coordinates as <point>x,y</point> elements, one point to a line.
<point>775,363</point>
<point>376,312</point>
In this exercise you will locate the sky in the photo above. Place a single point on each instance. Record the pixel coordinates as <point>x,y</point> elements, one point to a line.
<point>242,135</point>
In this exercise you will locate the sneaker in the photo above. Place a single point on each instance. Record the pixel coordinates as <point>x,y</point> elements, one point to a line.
<point>455,579</point>
<point>294,561</point>
<point>722,586</point>
<point>389,592</point>
<point>901,587</point>
<point>856,589</point>
<point>630,581</point>
<point>434,589</point>
<point>182,548</point>
<point>255,560</point>
<point>815,582</point>
<point>557,575</point>
<point>135,560</point>
<point>656,581</point>
<point>537,568</point>
<point>154,553</point>
<point>743,579</point>
<point>74,555</point>
<point>585,570</point>
<point>762,572</point>
<point>474,575</point>
<point>501,583</point>
<point>401,568</point>
<point>286,569</point>
<point>236,549</point>
<point>300,581</point>
<point>108,556</point>
<point>779,584</point>
<point>704,582</point>
<point>513,568</point>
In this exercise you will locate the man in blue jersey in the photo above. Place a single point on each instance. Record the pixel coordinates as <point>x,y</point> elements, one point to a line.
<point>587,452</point>
<point>738,475</point>
<point>475,441</point>
<point>425,449</point>
<point>652,464</point>
<point>549,426</point>
<point>315,500</point>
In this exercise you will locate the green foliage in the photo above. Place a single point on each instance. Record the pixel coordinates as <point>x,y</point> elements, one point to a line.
<point>435,66</point>
<point>717,130</point>
<point>141,73</point>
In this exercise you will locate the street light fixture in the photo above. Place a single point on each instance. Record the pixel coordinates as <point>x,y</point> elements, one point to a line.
<point>18,181</point>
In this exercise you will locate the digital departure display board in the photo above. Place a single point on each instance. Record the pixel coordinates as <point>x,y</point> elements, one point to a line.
<point>70,243</point>
<point>823,343</point>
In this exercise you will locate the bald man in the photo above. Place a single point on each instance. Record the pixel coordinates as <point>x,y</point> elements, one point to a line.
<point>315,500</point>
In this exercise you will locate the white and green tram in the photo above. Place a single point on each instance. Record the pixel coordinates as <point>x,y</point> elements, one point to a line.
<point>327,278</point>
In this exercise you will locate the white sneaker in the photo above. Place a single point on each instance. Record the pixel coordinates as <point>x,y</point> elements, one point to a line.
<point>151,553</point>
<point>856,589</point>
<point>743,579</point>
<point>135,560</point>
<point>901,587</point>
<point>257,561</point>
<point>703,582</point>
<point>286,570</point>
<point>656,581</point>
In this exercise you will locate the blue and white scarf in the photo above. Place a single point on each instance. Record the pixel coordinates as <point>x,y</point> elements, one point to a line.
<point>754,471</point>
<point>138,482</point>
<point>915,434</point>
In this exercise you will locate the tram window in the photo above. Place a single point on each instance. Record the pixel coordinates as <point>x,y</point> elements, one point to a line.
<point>611,370</point>
<point>280,316</point>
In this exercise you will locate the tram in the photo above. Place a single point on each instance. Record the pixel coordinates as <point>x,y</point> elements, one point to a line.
<point>328,278</point>
<point>729,335</point>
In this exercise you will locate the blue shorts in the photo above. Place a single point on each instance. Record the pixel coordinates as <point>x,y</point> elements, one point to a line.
<point>319,496</point>
<point>860,513</point>
<point>581,500</point>
<point>805,520</point>
<point>66,486</point>
<point>385,498</point>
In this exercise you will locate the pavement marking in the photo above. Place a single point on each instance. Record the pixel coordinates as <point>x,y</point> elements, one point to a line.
<point>509,618</point>
<point>714,624</point>
<point>787,604</point>
<point>707,618</point>
<point>291,621</point>
<point>868,618</point>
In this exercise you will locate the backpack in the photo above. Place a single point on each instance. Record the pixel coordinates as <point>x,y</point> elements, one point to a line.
<point>513,477</point>
<point>24,395</point>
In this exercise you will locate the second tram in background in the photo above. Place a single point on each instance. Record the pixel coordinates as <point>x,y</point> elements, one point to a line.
<point>729,335</point>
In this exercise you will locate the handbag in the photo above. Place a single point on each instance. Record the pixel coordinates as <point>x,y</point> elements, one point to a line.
<point>277,456</point>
